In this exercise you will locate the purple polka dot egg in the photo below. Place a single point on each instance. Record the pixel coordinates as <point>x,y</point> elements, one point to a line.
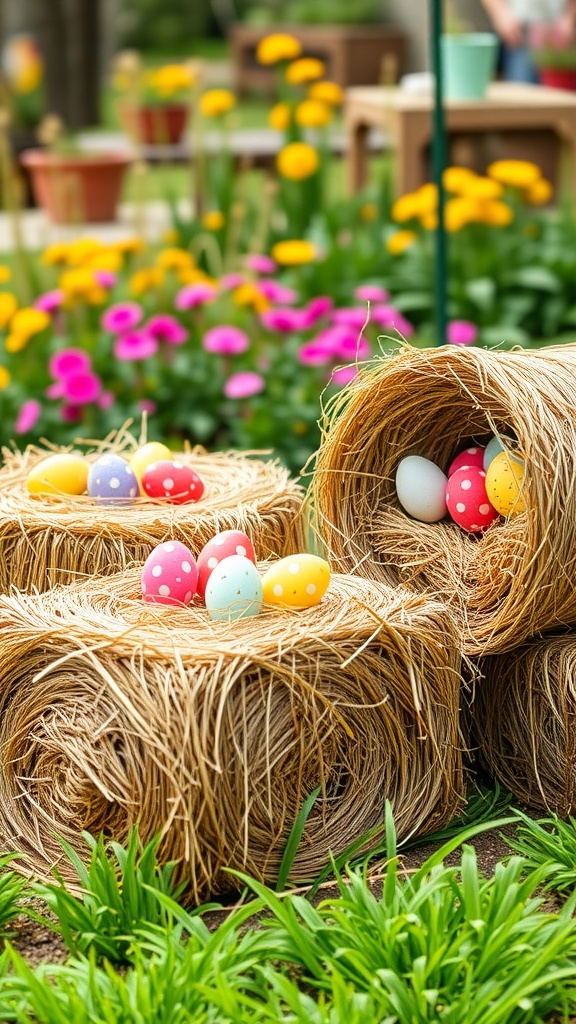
<point>169,575</point>
<point>111,481</point>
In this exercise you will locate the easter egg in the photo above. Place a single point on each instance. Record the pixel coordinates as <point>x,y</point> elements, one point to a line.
<point>467,500</point>
<point>224,544</point>
<point>472,456</point>
<point>169,575</point>
<point>494,447</point>
<point>421,489</point>
<point>234,590</point>
<point>59,474</point>
<point>111,481</point>
<point>298,581</point>
<point>151,452</point>
<point>504,481</point>
<point>172,481</point>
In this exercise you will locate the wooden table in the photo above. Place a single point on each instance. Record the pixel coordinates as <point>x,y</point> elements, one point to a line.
<point>529,121</point>
<point>354,54</point>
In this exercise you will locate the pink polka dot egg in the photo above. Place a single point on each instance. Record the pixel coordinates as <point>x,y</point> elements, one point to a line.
<point>172,481</point>
<point>471,456</point>
<point>467,501</point>
<point>223,545</point>
<point>169,575</point>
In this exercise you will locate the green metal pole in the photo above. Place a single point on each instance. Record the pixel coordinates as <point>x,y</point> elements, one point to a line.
<point>438,166</point>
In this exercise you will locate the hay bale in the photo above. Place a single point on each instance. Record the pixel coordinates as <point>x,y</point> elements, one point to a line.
<point>49,539</point>
<point>114,711</point>
<point>516,579</point>
<point>523,721</point>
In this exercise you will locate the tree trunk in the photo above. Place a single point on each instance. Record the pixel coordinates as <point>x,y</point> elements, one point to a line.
<point>68,32</point>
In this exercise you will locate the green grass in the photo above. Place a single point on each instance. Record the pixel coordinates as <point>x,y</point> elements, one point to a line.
<point>548,842</point>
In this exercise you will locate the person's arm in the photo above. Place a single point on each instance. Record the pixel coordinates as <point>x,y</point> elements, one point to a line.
<point>506,24</point>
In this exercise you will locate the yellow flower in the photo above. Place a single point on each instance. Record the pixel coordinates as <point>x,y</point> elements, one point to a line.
<point>406,207</point>
<point>57,253</point>
<point>293,252</point>
<point>196,276</point>
<point>77,283</point>
<point>146,280</point>
<point>276,47</point>
<point>483,188</point>
<point>110,260</point>
<point>327,92</point>
<point>459,212</point>
<point>4,378</point>
<point>82,251</point>
<point>279,117</point>
<point>517,173</point>
<point>539,193</point>
<point>495,213</point>
<point>216,102</point>
<point>8,306</point>
<point>16,342</point>
<point>213,220</point>
<point>429,221</point>
<point>400,241</point>
<point>368,212</point>
<point>249,295</point>
<point>129,245</point>
<point>313,114</point>
<point>307,69</point>
<point>97,296</point>
<point>174,259</point>
<point>455,179</point>
<point>29,321</point>
<point>171,237</point>
<point>426,198</point>
<point>171,79</point>
<point>297,161</point>
<point>5,273</point>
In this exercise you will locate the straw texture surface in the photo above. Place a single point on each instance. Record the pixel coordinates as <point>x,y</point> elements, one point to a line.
<point>524,721</point>
<point>113,711</point>
<point>518,577</point>
<point>49,539</point>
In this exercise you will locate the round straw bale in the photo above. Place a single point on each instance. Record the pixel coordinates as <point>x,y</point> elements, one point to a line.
<point>48,539</point>
<point>523,721</point>
<point>113,711</point>
<point>518,577</point>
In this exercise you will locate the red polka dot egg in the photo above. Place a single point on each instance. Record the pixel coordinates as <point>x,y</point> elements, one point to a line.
<point>173,482</point>
<point>169,575</point>
<point>223,545</point>
<point>467,501</point>
<point>471,456</point>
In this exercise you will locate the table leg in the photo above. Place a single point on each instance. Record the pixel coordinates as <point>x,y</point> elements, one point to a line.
<point>356,153</point>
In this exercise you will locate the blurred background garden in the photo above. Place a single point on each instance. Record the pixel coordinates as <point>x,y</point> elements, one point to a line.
<point>181,236</point>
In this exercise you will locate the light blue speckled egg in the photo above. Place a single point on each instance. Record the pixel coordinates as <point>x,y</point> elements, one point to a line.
<point>234,589</point>
<point>111,481</point>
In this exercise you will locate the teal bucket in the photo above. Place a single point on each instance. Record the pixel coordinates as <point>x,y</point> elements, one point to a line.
<point>469,64</point>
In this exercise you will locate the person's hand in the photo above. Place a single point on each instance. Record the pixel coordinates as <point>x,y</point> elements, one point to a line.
<point>508,27</point>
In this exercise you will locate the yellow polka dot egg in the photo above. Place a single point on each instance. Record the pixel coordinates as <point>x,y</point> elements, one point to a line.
<point>297,581</point>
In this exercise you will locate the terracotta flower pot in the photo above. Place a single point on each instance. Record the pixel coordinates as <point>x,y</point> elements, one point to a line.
<point>156,125</point>
<point>85,187</point>
<point>558,78</point>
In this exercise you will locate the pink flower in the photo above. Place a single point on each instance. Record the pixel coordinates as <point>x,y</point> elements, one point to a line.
<point>194,295</point>
<point>81,388</point>
<point>461,332</point>
<point>244,385</point>
<point>167,328</point>
<point>122,317</point>
<point>49,302</point>
<point>388,316</point>
<point>55,390</point>
<point>135,345</point>
<point>225,341</point>
<point>371,293</point>
<point>70,413</point>
<point>147,405</point>
<point>344,375</point>
<point>349,345</point>
<point>228,282</point>
<point>69,360</point>
<point>278,293</point>
<point>317,308</point>
<point>283,319</point>
<point>314,353</point>
<point>106,400</point>
<point>28,416</point>
<point>350,316</point>
<point>261,264</point>
<point>106,279</point>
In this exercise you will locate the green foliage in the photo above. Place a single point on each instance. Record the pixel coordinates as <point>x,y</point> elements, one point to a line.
<point>12,888</point>
<point>156,25</point>
<point>320,12</point>
<point>548,842</point>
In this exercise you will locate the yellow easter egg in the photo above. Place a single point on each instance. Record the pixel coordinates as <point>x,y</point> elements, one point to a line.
<point>153,451</point>
<point>504,482</point>
<point>297,581</point>
<point>59,474</point>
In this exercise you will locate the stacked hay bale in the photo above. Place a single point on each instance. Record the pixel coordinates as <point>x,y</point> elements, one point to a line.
<point>507,586</point>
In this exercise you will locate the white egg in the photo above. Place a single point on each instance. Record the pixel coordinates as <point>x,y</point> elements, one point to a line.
<point>421,489</point>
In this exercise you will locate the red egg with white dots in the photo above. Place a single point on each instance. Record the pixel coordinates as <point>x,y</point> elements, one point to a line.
<point>467,501</point>
<point>173,482</point>
<point>170,574</point>
<point>224,544</point>
<point>472,456</point>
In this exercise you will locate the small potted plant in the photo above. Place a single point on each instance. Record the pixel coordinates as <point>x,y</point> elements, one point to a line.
<point>554,55</point>
<point>155,103</point>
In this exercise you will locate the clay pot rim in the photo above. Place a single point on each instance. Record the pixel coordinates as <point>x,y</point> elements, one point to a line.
<point>44,158</point>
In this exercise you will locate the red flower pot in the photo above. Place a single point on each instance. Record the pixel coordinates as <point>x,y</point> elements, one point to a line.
<point>76,189</point>
<point>558,78</point>
<point>157,125</point>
